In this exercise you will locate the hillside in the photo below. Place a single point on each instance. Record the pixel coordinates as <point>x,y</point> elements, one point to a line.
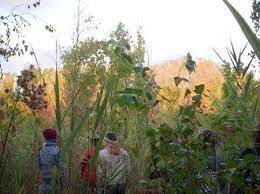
<point>206,73</point>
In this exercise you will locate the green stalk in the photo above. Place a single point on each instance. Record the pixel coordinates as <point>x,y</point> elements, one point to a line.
<point>57,98</point>
<point>250,35</point>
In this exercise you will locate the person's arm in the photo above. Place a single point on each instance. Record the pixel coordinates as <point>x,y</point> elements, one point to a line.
<point>127,166</point>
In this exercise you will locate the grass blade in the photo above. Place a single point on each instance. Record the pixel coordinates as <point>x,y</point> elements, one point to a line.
<point>98,118</point>
<point>57,96</point>
<point>57,101</point>
<point>230,86</point>
<point>247,67</point>
<point>101,109</point>
<point>240,54</point>
<point>94,157</point>
<point>250,35</point>
<point>74,132</point>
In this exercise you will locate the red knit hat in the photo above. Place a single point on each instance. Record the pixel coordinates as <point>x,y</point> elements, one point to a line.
<point>49,133</point>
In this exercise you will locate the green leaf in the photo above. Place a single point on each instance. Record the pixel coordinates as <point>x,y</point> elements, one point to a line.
<point>250,35</point>
<point>187,132</point>
<point>151,132</point>
<point>127,58</point>
<point>187,92</point>
<point>127,99</point>
<point>136,91</point>
<point>165,130</point>
<point>75,131</point>
<point>98,118</point>
<point>138,69</point>
<point>149,95</point>
<point>178,80</point>
<point>104,104</point>
<point>199,89</point>
<point>140,107</point>
<point>190,64</point>
<point>118,51</point>
<point>187,111</point>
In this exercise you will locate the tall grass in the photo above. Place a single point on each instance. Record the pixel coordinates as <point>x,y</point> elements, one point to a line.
<point>250,35</point>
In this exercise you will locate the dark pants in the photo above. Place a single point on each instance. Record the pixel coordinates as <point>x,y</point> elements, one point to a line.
<point>115,189</point>
<point>49,186</point>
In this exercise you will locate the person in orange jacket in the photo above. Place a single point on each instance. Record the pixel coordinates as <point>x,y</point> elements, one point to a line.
<point>88,176</point>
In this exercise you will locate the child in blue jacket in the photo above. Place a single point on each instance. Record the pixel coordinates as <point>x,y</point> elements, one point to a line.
<point>49,162</point>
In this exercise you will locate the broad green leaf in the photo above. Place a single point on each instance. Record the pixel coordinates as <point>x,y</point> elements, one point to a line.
<point>187,111</point>
<point>140,107</point>
<point>127,99</point>
<point>199,89</point>
<point>178,80</point>
<point>127,58</point>
<point>187,132</point>
<point>118,51</point>
<point>150,132</point>
<point>149,95</point>
<point>165,130</point>
<point>187,92</point>
<point>250,35</point>
<point>138,69</point>
<point>136,91</point>
<point>190,64</point>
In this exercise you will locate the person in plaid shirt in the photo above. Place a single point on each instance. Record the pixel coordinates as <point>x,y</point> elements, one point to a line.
<point>113,167</point>
<point>208,176</point>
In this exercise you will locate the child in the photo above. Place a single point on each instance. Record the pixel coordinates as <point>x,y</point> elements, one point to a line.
<point>113,166</point>
<point>49,162</point>
<point>88,176</point>
<point>208,176</point>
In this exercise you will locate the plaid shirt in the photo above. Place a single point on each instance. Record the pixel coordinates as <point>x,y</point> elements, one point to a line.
<point>208,178</point>
<point>113,169</point>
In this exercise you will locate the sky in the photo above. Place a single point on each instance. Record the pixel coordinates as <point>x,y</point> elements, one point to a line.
<point>171,28</point>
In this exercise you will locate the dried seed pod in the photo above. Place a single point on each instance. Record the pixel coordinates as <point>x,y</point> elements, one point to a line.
<point>32,93</point>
